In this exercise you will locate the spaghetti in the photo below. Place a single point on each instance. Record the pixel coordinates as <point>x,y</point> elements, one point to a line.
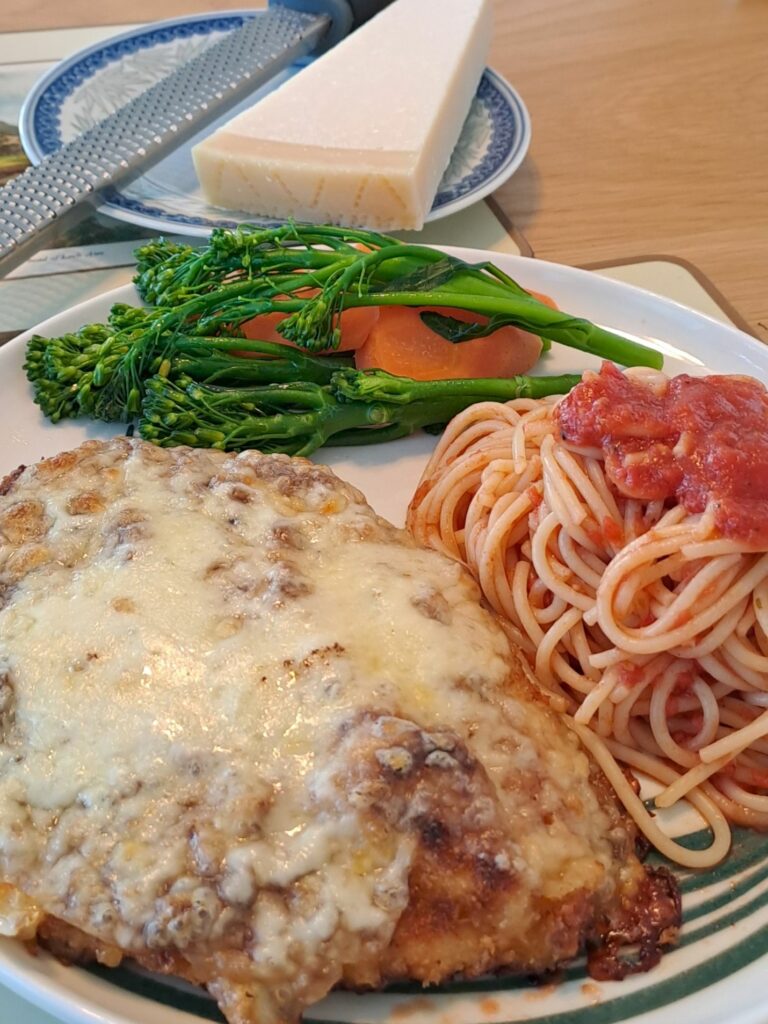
<point>647,619</point>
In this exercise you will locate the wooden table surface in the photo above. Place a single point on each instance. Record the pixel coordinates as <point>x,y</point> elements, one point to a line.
<point>650,126</point>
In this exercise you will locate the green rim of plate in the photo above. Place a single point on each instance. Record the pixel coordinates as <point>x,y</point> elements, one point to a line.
<point>728,895</point>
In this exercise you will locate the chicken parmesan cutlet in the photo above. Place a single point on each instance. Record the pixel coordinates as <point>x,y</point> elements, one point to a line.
<point>254,736</point>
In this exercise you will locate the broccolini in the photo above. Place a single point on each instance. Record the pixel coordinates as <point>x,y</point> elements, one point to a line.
<point>183,367</point>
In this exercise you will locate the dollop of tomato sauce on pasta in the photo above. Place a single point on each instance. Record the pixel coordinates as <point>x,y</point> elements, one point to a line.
<point>701,441</point>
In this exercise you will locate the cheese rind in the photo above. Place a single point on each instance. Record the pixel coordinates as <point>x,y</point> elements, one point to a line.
<point>363,135</point>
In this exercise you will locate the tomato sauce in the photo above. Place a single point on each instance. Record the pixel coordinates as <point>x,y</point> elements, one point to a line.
<point>703,442</point>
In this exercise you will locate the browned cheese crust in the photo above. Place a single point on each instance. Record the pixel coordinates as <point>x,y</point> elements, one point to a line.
<point>254,736</point>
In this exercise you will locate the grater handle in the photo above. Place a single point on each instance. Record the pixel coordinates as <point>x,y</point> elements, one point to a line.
<point>362,10</point>
<point>345,15</point>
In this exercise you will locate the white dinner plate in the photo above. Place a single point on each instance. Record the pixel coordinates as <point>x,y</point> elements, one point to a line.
<point>717,972</point>
<point>83,89</point>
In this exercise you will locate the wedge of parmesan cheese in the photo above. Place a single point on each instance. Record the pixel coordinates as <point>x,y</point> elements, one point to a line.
<point>363,135</point>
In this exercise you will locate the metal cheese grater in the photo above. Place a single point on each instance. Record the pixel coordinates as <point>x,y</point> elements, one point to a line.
<point>128,142</point>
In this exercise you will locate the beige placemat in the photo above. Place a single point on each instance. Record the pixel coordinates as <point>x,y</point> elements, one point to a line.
<point>675,279</point>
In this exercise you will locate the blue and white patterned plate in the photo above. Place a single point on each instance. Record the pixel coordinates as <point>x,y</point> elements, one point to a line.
<point>80,91</point>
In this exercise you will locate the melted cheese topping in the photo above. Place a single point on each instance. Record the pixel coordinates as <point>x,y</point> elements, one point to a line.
<point>192,646</point>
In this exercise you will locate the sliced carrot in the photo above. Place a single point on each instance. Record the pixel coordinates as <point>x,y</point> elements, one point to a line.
<point>504,353</point>
<point>401,343</point>
<point>356,325</point>
<point>544,299</point>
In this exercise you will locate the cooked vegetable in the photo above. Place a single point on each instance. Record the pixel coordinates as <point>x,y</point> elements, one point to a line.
<point>355,408</point>
<point>249,272</point>
<point>429,356</point>
<point>195,391</point>
<point>187,369</point>
<point>102,374</point>
<point>355,326</point>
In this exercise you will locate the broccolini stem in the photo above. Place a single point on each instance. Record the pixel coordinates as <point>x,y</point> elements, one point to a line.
<point>299,418</point>
<point>530,315</point>
<point>295,420</point>
<point>378,385</point>
<point>445,281</point>
<point>225,361</point>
